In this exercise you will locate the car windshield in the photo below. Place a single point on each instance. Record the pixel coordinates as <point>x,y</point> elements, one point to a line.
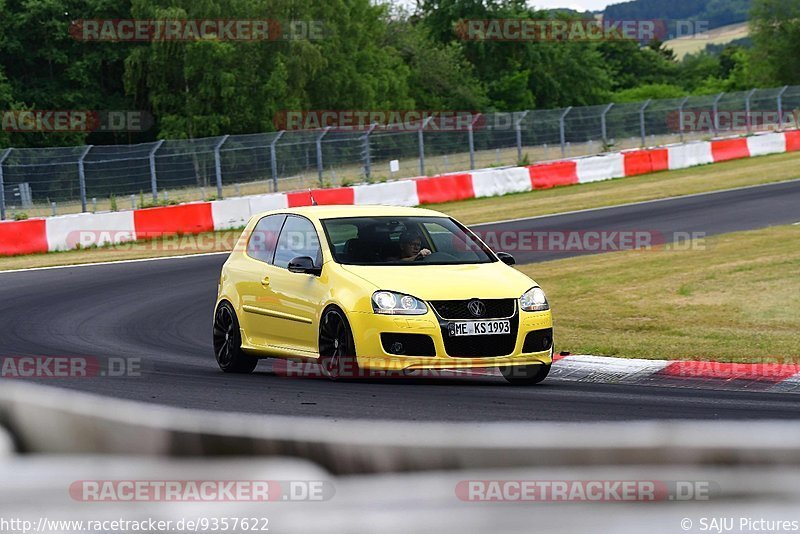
<point>403,241</point>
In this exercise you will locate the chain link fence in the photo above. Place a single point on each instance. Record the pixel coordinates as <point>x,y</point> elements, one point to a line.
<point>50,181</point>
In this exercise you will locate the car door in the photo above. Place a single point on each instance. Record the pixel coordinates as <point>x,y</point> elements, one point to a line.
<point>299,297</point>
<point>258,320</point>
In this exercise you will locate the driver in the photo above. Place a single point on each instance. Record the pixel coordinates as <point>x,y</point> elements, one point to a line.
<point>411,246</point>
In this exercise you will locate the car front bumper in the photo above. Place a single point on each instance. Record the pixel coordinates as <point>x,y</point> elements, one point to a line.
<point>368,327</point>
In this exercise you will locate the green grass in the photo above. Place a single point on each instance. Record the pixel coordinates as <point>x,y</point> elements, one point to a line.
<point>738,300</point>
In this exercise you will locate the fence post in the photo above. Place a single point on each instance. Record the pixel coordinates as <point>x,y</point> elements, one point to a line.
<point>320,168</point>
<point>747,110</point>
<point>82,178</point>
<point>153,178</point>
<point>6,153</point>
<point>780,107</point>
<point>680,116</point>
<point>715,111</point>
<point>471,139</point>
<point>642,129</point>
<point>274,161</point>
<point>604,124</point>
<point>422,145</point>
<point>563,131</point>
<point>218,165</point>
<point>518,130</point>
<point>367,155</point>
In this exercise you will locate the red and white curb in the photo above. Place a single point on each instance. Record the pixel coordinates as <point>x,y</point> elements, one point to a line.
<point>762,377</point>
<point>769,377</point>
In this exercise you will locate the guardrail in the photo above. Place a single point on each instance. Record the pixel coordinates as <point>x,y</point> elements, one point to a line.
<point>50,420</point>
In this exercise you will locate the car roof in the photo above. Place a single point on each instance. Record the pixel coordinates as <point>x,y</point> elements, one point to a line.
<point>340,211</point>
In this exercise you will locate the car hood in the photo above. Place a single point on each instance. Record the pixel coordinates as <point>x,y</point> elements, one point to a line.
<point>447,282</point>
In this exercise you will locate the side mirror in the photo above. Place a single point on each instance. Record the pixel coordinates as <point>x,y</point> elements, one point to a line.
<point>506,258</point>
<point>304,265</point>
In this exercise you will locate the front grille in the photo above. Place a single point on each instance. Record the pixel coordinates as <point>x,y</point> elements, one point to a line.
<point>481,346</point>
<point>457,309</point>
<point>538,340</point>
<point>409,344</point>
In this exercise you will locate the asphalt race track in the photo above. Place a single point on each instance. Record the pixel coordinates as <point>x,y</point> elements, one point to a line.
<point>160,311</point>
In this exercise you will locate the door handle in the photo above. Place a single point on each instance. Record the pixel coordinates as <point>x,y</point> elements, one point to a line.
<point>265,281</point>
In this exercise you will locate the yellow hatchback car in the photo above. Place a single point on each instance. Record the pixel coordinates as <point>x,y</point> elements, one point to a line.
<point>362,288</point>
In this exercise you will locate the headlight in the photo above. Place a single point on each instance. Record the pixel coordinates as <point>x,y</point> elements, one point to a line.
<point>534,300</point>
<point>390,303</point>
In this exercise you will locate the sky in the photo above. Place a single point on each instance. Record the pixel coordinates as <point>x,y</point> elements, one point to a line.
<point>578,5</point>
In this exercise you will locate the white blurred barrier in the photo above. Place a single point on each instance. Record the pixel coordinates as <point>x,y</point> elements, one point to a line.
<point>6,444</point>
<point>400,503</point>
<point>50,420</point>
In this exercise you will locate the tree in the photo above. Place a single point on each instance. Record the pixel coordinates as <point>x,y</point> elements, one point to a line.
<point>775,29</point>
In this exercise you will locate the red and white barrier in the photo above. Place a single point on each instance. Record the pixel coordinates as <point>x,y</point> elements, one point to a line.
<point>89,229</point>
<point>71,231</point>
<point>729,149</point>
<point>496,182</point>
<point>690,155</point>
<point>596,168</point>
<point>771,143</point>
<point>399,193</point>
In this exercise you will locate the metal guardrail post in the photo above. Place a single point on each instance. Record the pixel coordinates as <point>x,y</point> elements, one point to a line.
<point>604,124</point>
<point>82,178</point>
<point>680,116</point>
<point>6,153</point>
<point>563,131</point>
<point>747,110</point>
<point>320,168</point>
<point>642,128</point>
<point>715,111</point>
<point>367,155</point>
<point>218,165</point>
<point>421,139</point>
<point>274,160</point>
<point>471,140</point>
<point>518,130</point>
<point>153,177</point>
<point>780,106</point>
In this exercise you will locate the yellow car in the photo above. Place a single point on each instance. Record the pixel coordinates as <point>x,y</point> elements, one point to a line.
<point>365,288</point>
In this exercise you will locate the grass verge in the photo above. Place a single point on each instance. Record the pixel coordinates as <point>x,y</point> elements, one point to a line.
<point>714,177</point>
<point>737,300</point>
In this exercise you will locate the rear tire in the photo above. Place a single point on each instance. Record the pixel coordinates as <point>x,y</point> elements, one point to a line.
<point>337,350</point>
<point>228,342</point>
<point>525,375</point>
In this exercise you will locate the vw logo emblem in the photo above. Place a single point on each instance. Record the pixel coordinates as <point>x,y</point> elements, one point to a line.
<point>476,308</point>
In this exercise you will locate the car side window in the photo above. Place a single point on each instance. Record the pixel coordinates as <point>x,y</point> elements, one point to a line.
<point>298,238</point>
<point>264,238</point>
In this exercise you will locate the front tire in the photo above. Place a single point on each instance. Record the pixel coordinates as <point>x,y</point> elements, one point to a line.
<point>525,375</point>
<point>337,350</point>
<point>228,342</point>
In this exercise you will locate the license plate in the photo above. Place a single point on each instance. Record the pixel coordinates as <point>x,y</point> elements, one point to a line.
<point>478,328</point>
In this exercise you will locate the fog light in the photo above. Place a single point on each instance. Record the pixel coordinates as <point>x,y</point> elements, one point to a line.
<point>397,348</point>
